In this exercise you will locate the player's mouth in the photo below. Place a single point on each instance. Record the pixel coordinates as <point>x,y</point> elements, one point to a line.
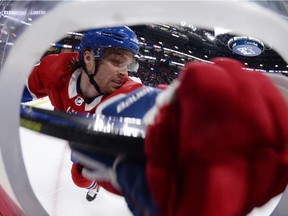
<point>118,82</point>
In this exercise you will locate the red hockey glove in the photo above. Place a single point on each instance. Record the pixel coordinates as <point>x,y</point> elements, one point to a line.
<point>218,143</point>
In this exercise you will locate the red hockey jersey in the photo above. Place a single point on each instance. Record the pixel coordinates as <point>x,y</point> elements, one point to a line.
<point>56,77</point>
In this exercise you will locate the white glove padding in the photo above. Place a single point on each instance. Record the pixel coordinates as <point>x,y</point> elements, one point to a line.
<point>99,168</point>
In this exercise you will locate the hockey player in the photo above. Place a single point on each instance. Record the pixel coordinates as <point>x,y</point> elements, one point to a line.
<point>79,82</point>
<point>212,135</point>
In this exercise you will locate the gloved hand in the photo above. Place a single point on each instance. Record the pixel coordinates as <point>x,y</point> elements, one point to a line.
<point>81,179</point>
<point>97,167</point>
<point>218,145</point>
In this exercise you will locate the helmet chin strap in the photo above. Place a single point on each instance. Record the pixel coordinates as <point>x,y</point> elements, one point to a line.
<point>91,78</point>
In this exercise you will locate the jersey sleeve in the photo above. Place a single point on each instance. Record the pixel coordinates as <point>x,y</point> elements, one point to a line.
<point>49,73</point>
<point>35,84</point>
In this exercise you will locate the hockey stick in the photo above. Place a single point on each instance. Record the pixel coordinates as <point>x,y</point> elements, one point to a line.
<point>95,133</point>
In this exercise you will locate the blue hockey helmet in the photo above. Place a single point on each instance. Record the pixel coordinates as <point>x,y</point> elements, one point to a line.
<point>112,37</point>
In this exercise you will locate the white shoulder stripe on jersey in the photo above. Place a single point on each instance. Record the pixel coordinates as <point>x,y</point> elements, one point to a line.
<point>72,88</point>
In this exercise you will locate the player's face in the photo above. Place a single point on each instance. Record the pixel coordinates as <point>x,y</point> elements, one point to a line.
<point>112,69</point>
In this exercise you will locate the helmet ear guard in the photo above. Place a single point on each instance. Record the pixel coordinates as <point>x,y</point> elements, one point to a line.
<point>98,40</point>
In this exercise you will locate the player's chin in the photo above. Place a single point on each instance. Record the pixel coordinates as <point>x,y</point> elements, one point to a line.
<point>113,88</point>
<point>116,86</point>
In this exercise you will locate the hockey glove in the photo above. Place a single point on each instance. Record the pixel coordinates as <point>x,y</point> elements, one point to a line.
<point>218,146</point>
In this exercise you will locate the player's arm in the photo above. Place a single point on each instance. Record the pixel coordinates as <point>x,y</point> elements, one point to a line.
<point>34,81</point>
<point>39,79</point>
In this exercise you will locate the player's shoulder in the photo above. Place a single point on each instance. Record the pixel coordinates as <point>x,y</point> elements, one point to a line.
<point>64,56</point>
<point>57,68</point>
<point>58,62</point>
